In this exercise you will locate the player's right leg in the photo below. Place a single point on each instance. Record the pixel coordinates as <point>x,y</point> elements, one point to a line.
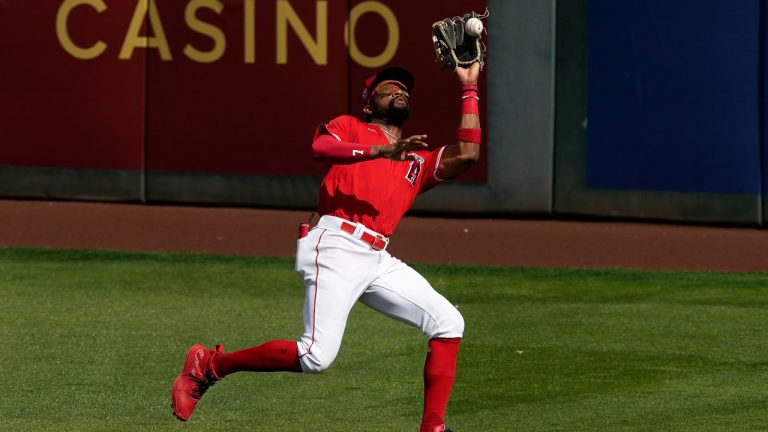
<point>401,293</point>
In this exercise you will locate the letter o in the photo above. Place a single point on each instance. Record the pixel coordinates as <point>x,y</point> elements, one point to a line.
<point>392,26</point>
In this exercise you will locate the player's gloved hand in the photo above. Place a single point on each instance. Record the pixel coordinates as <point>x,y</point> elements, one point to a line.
<point>399,151</point>
<point>456,44</point>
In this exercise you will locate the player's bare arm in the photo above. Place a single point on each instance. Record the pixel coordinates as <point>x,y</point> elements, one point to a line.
<point>459,157</point>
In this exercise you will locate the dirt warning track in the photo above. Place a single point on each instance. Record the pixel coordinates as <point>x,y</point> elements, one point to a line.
<point>526,243</point>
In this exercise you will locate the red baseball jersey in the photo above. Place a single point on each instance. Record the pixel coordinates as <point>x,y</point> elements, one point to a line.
<point>374,192</point>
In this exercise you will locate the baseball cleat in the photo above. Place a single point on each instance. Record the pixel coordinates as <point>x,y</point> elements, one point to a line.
<point>194,380</point>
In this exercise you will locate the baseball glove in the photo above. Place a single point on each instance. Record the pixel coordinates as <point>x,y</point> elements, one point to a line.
<point>454,47</point>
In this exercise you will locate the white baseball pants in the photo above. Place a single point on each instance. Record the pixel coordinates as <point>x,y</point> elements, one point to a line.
<point>339,269</point>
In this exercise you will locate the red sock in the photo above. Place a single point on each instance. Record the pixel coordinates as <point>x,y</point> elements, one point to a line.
<point>273,356</point>
<point>439,371</point>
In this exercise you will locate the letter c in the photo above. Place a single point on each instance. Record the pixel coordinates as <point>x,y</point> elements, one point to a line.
<point>61,29</point>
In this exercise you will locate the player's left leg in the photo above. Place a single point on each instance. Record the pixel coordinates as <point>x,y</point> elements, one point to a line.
<point>402,293</point>
<point>195,378</point>
<point>203,367</point>
<point>271,356</point>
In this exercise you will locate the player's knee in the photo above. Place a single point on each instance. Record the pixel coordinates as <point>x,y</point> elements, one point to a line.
<point>449,325</point>
<point>456,324</point>
<point>315,362</point>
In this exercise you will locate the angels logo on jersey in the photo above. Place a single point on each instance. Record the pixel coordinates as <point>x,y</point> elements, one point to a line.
<point>415,169</point>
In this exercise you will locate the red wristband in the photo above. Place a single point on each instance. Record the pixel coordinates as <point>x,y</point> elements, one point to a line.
<point>471,135</point>
<point>470,105</point>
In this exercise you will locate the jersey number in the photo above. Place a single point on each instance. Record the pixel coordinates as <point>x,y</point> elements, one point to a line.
<point>414,170</point>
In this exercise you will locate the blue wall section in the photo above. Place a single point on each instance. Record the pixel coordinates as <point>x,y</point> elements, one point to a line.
<point>674,95</point>
<point>764,95</point>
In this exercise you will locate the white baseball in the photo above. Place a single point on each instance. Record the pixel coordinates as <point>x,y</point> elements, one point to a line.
<point>474,27</point>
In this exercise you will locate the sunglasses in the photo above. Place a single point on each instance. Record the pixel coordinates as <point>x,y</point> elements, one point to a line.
<point>387,90</point>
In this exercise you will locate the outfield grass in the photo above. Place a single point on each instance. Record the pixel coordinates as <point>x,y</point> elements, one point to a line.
<point>91,341</point>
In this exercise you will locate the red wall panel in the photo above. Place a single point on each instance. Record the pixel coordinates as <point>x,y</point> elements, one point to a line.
<point>233,116</point>
<point>237,117</point>
<point>61,111</point>
<point>206,86</point>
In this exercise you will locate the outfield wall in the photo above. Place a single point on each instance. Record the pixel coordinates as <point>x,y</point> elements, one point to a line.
<point>201,101</point>
<point>662,106</point>
<point>648,109</point>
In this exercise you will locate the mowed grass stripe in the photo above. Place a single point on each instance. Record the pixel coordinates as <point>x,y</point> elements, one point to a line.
<point>92,340</point>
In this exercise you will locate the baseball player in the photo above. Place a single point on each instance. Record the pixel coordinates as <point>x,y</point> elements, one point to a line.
<point>373,178</point>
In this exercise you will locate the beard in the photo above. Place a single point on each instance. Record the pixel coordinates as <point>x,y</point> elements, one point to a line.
<point>392,114</point>
<point>397,115</point>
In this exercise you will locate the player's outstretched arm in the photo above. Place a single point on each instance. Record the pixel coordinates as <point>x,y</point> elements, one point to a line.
<point>459,157</point>
<point>328,148</point>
